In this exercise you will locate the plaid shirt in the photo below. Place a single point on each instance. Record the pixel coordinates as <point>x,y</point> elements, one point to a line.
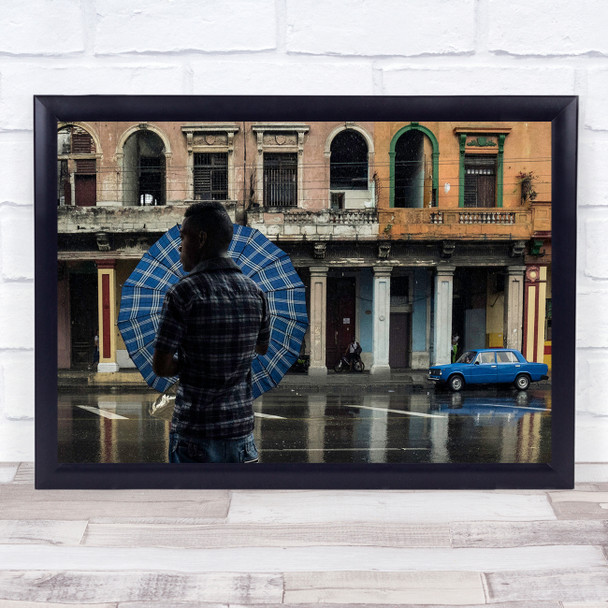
<point>213,318</point>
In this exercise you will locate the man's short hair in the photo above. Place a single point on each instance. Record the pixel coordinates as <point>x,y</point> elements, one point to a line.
<point>213,219</point>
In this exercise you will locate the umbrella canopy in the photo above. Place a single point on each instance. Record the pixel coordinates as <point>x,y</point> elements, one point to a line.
<point>144,291</point>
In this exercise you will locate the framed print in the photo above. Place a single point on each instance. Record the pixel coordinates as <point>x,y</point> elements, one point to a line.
<point>417,261</point>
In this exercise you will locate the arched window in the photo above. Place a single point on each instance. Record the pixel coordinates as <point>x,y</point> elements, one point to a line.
<point>348,161</point>
<point>76,167</point>
<point>144,169</point>
<point>412,168</point>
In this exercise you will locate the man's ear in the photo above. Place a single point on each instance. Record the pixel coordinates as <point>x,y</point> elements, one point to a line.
<point>202,237</point>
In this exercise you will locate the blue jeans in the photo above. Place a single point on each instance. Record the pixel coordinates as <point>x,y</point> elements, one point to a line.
<point>241,449</point>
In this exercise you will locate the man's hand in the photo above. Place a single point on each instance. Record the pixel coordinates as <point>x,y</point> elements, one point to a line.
<point>164,364</point>
<point>261,349</point>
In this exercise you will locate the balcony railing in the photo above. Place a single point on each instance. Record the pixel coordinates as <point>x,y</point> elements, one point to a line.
<point>431,223</point>
<point>326,223</point>
<point>477,217</point>
<point>347,217</point>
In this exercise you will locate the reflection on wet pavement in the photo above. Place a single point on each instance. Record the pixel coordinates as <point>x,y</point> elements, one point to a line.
<point>476,426</point>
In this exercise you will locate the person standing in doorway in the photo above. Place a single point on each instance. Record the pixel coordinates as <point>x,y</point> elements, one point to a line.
<point>213,322</point>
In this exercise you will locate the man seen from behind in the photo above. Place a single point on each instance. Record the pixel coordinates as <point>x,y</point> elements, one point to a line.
<point>213,322</point>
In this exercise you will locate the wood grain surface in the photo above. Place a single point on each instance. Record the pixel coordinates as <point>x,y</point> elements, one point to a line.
<point>231,549</point>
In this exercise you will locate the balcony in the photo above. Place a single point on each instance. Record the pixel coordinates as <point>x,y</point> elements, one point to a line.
<point>457,223</point>
<point>297,224</point>
<point>121,220</point>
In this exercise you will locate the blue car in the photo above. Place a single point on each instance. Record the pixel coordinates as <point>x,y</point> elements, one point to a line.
<point>489,366</point>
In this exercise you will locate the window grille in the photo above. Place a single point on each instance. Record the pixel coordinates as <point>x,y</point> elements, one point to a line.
<point>480,181</point>
<point>280,180</point>
<point>348,162</point>
<point>211,177</point>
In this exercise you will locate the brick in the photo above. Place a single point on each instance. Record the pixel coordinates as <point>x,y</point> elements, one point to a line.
<point>17,168</point>
<point>596,255</point>
<point>142,26</point>
<point>596,114</point>
<point>486,80</point>
<point>521,27</point>
<point>17,385</point>
<point>17,315</point>
<point>17,441</point>
<point>16,243</point>
<point>293,77</point>
<point>42,27</point>
<point>591,374</point>
<point>592,175</point>
<point>590,439</point>
<point>367,28</point>
<point>592,322</point>
<point>20,84</point>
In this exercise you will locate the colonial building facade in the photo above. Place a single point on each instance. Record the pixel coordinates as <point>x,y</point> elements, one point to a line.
<point>405,234</point>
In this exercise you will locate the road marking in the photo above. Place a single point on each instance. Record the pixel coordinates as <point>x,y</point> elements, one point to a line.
<point>263,450</point>
<point>260,415</point>
<point>403,412</point>
<point>103,413</point>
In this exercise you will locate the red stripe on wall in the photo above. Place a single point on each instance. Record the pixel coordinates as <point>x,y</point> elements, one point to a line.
<point>536,321</point>
<point>526,350</point>
<point>105,303</point>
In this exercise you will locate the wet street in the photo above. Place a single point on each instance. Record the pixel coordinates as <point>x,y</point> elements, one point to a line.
<point>401,426</point>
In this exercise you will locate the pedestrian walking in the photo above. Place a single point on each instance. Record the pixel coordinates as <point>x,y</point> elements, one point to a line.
<point>214,321</point>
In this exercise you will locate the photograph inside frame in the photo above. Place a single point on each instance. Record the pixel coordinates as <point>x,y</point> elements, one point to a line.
<point>406,268</point>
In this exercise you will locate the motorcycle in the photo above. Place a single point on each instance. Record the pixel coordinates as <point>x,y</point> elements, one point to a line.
<point>344,366</point>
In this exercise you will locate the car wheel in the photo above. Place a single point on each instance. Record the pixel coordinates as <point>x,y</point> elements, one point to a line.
<point>456,383</point>
<point>522,382</point>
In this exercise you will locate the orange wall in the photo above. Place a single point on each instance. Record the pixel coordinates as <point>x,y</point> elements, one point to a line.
<point>527,148</point>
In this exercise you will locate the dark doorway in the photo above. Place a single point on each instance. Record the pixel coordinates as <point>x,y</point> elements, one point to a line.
<point>469,308</point>
<point>83,309</point>
<point>340,317</point>
<point>399,340</point>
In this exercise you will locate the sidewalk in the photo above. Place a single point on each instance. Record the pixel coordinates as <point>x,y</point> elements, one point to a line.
<point>346,382</point>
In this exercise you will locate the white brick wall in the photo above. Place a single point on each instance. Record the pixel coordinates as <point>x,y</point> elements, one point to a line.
<point>299,46</point>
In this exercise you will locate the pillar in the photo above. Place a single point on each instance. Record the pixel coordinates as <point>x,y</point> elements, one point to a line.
<point>106,289</point>
<point>442,327</point>
<point>514,307</point>
<point>534,313</point>
<point>318,326</point>
<point>381,318</point>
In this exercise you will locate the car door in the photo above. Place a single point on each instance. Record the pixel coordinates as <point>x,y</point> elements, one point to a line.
<point>483,370</point>
<point>507,366</point>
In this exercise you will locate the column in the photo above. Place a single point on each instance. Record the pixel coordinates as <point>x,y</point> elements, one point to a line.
<point>106,289</point>
<point>514,306</point>
<point>442,327</point>
<point>534,313</point>
<point>318,313</point>
<point>381,316</point>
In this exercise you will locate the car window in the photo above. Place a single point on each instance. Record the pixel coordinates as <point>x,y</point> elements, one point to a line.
<point>467,357</point>
<point>506,357</point>
<point>486,357</point>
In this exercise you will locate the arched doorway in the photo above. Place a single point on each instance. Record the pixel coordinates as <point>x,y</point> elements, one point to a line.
<point>414,167</point>
<point>144,170</point>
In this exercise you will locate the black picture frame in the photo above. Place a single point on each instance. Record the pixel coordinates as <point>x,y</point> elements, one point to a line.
<point>561,111</point>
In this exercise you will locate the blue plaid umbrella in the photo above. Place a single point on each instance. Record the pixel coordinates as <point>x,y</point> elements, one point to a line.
<point>270,267</point>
